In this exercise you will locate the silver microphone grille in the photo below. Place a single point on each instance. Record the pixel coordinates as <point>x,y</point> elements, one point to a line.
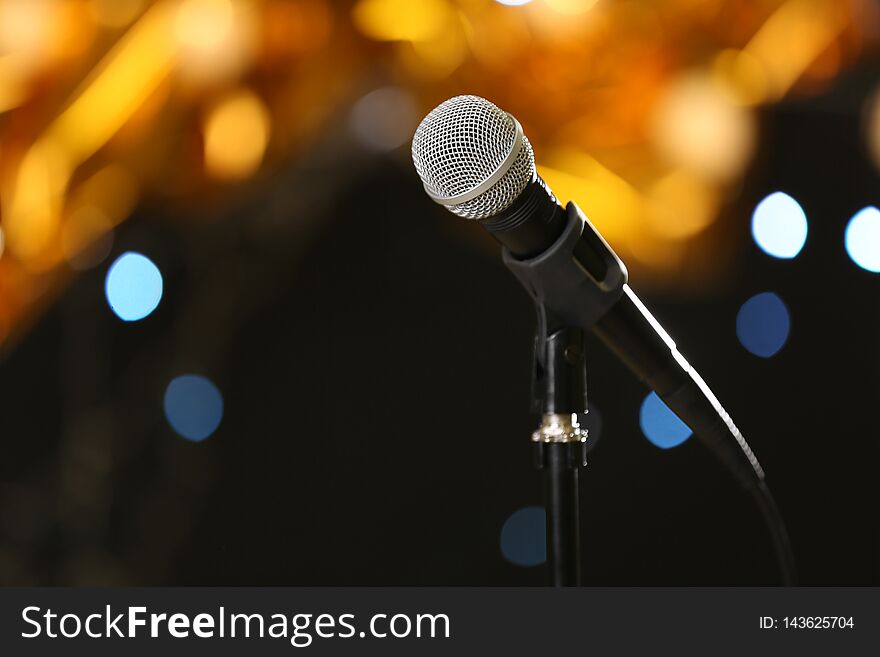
<point>472,157</point>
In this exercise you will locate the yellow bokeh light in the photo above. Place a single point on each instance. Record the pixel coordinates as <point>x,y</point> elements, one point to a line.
<point>86,238</point>
<point>216,38</point>
<point>204,25</point>
<point>612,204</point>
<point>101,202</point>
<point>41,32</point>
<point>13,80</point>
<point>124,79</point>
<point>112,190</point>
<point>236,132</point>
<point>129,74</point>
<point>793,37</point>
<point>570,7</point>
<point>741,75</point>
<point>440,55</point>
<point>401,20</point>
<point>671,142</point>
<point>2,241</point>
<point>34,206</point>
<point>495,37</point>
<point>697,126</point>
<point>26,26</point>
<point>679,205</point>
<point>657,254</point>
<point>115,14</point>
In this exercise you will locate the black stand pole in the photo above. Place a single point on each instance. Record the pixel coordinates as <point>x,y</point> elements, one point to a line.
<point>559,463</point>
<point>560,391</point>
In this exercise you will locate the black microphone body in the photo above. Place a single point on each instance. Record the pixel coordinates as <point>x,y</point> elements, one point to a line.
<point>529,229</point>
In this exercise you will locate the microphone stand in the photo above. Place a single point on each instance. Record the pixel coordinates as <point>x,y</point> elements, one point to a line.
<point>559,391</point>
<point>578,283</point>
<point>579,265</point>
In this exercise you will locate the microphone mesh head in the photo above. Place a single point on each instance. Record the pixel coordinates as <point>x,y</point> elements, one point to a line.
<point>460,144</point>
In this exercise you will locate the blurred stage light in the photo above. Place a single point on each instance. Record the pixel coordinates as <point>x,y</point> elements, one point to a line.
<point>438,56</point>
<point>524,538</point>
<point>401,20</point>
<point>741,75</point>
<point>660,425</point>
<point>147,80</point>
<point>513,3</point>
<point>216,38</point>
<point>697,126</point>
<point>115,14</point>
<point>112,190</point>
<point>27,27</point>
<point>13,81</point>
<point>793,38</point>
<point>613,205</point>
<point>32,216</point>
<point>133,286</point>
<point>494,48</point>
<point>294,28</point>
<point>2,242</point>
<point>193,406</point>
<point>862,239</point>
<point>384,119</point>
<point>94,208</point>
<point>679,205</point>
<point>236,133</point>
<point>125,78</point>
<point>779,226</point>
<point>570,7</point>
<point>203,25</point>
<point>86,238</point>
<point>763,324</point>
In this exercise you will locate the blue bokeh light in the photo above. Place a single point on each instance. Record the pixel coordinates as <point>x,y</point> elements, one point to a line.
<point>862,239</point>
<point>660,425</point>
<point>524,538</point>
<point>133,286</point>
<point>763,324</point>
<point>193,406</point>
<point>779,226</point>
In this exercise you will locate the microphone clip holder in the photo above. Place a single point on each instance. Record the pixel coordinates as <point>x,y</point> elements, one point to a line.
<point>578,265</point>
<point>574,282</point>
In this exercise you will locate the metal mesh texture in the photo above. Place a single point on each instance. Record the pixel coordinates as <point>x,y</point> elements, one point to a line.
<point>459,144</point>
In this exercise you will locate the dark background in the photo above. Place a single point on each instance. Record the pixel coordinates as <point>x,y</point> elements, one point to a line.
<point>374,359</point>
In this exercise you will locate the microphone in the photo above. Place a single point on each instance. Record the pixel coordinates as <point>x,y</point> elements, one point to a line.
<point>474,159</point>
